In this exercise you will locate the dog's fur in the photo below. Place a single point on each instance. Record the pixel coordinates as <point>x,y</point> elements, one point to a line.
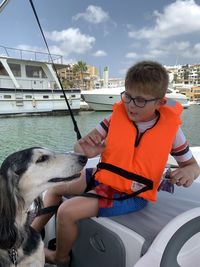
<point>24,175</point>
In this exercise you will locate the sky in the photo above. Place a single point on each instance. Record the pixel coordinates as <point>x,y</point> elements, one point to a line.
<point>102,33</point>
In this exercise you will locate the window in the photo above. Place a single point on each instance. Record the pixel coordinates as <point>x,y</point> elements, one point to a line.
<point>28,96</point>
<point>45,96</point>
<point>3,71</point>
<point>35,72</point>
<point>7,96</point>
<point>16,69</point>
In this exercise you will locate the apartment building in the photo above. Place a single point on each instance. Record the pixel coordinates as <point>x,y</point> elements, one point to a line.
<point>194,93</point>
<point>189,74</point>
<point>191,91</point>
<point>72,79</point>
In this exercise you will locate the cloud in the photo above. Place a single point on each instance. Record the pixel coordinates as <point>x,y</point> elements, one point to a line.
<point>178,18</point>
<point>132,55</point>
<point>172,32</point>
<point>93,14</point>
<point>64,43</point>
<point>70,41</point>
<point>100,53</point>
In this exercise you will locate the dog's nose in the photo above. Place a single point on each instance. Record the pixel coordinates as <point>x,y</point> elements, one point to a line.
<point>82,160</point>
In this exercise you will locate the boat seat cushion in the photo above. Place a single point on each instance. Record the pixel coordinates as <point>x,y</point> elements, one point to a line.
<point>149,221</point>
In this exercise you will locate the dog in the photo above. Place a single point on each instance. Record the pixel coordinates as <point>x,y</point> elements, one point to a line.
<point>24,175</point>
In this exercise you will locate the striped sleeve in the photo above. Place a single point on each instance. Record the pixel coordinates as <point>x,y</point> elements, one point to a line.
<point>180,148</point>
<point>103,126</point>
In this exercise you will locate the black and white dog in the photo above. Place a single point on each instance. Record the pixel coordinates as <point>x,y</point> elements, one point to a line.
<point>24,175</point>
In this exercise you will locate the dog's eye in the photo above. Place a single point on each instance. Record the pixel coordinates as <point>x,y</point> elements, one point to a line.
<point>42,158</point>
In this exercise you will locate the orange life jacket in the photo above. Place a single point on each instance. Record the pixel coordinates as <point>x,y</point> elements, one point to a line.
<point>145,156</point>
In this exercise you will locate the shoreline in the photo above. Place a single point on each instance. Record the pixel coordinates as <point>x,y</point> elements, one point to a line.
<point>84,107</point>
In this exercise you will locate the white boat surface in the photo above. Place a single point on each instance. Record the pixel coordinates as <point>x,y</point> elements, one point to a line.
<point>163,234</point>
<point>104,98</point>
<point>31,86</point>
<point>195,102</point>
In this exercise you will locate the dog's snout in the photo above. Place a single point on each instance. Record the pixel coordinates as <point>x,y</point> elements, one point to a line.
<point>82,160</point>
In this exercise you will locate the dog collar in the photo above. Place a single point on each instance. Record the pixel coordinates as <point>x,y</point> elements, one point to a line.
<point>13,255</point>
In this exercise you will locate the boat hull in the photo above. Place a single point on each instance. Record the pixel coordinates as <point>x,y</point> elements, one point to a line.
<point>103,99</point>
<point>16,102</point>
<point>98,106</point>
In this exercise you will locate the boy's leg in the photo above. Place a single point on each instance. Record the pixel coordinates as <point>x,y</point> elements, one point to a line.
<point>68,214</point>
<point>54,196</point>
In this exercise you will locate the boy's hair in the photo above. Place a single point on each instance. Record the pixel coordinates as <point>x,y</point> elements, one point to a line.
<point>148,77</point>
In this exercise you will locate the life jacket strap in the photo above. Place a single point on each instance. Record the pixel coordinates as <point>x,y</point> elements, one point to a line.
<point>126,174</point>
<point>47,210</point>
<point>112,168</point>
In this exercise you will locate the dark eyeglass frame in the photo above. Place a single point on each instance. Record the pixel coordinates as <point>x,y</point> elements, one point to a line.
<point>135,99</point>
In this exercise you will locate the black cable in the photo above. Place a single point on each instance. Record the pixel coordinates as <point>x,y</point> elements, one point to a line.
<point>3,4</point>
<point>69,108</point>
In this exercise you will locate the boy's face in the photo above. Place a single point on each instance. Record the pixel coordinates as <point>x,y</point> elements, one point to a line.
<point>138,113</point>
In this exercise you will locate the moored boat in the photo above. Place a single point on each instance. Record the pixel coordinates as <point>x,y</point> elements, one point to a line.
<point>31,86</point>
<point>104,98</point>
<point>195,101</point>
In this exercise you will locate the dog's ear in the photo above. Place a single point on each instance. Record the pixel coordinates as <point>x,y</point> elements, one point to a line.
<point>8,233</point>
<point>9,198</point>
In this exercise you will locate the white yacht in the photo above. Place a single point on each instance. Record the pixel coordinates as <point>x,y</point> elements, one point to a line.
<point>104,98</point>
<point>31,86</point>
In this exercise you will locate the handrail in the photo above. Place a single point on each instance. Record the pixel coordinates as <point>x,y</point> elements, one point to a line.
<point>31,53</point>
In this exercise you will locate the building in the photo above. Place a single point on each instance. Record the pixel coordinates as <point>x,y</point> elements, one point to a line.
<point>72,79</point>
<point>189,74</point>
<point>192,92</point>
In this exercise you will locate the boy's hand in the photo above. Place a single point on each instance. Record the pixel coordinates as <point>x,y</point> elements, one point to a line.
<point>91,145</point>
<point>187,172</point>
<point>182,177</point>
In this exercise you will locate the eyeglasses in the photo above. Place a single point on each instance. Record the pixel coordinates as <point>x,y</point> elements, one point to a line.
<point>140,102</point>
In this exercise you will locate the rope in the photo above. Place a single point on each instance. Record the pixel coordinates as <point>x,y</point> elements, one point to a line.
<point>3,4</point>
<point>69,108</point>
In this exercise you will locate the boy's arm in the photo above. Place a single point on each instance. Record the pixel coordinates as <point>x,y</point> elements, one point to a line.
<point>187,172</point>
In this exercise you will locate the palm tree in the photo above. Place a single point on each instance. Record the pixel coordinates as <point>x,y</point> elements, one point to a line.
<point>80,68</point>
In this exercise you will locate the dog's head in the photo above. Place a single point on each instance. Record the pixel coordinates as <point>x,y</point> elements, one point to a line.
<point>32,171</point>
<point>27,173</point>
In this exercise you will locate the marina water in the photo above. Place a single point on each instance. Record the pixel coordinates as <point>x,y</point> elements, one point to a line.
<point>57,132</point>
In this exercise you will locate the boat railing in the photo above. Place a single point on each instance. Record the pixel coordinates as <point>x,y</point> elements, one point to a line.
<point>28,83</point>
<point>24,54</point>
<point>6,83</point>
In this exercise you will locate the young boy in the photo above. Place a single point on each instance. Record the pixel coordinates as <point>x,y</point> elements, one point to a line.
<point>137,138</point>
